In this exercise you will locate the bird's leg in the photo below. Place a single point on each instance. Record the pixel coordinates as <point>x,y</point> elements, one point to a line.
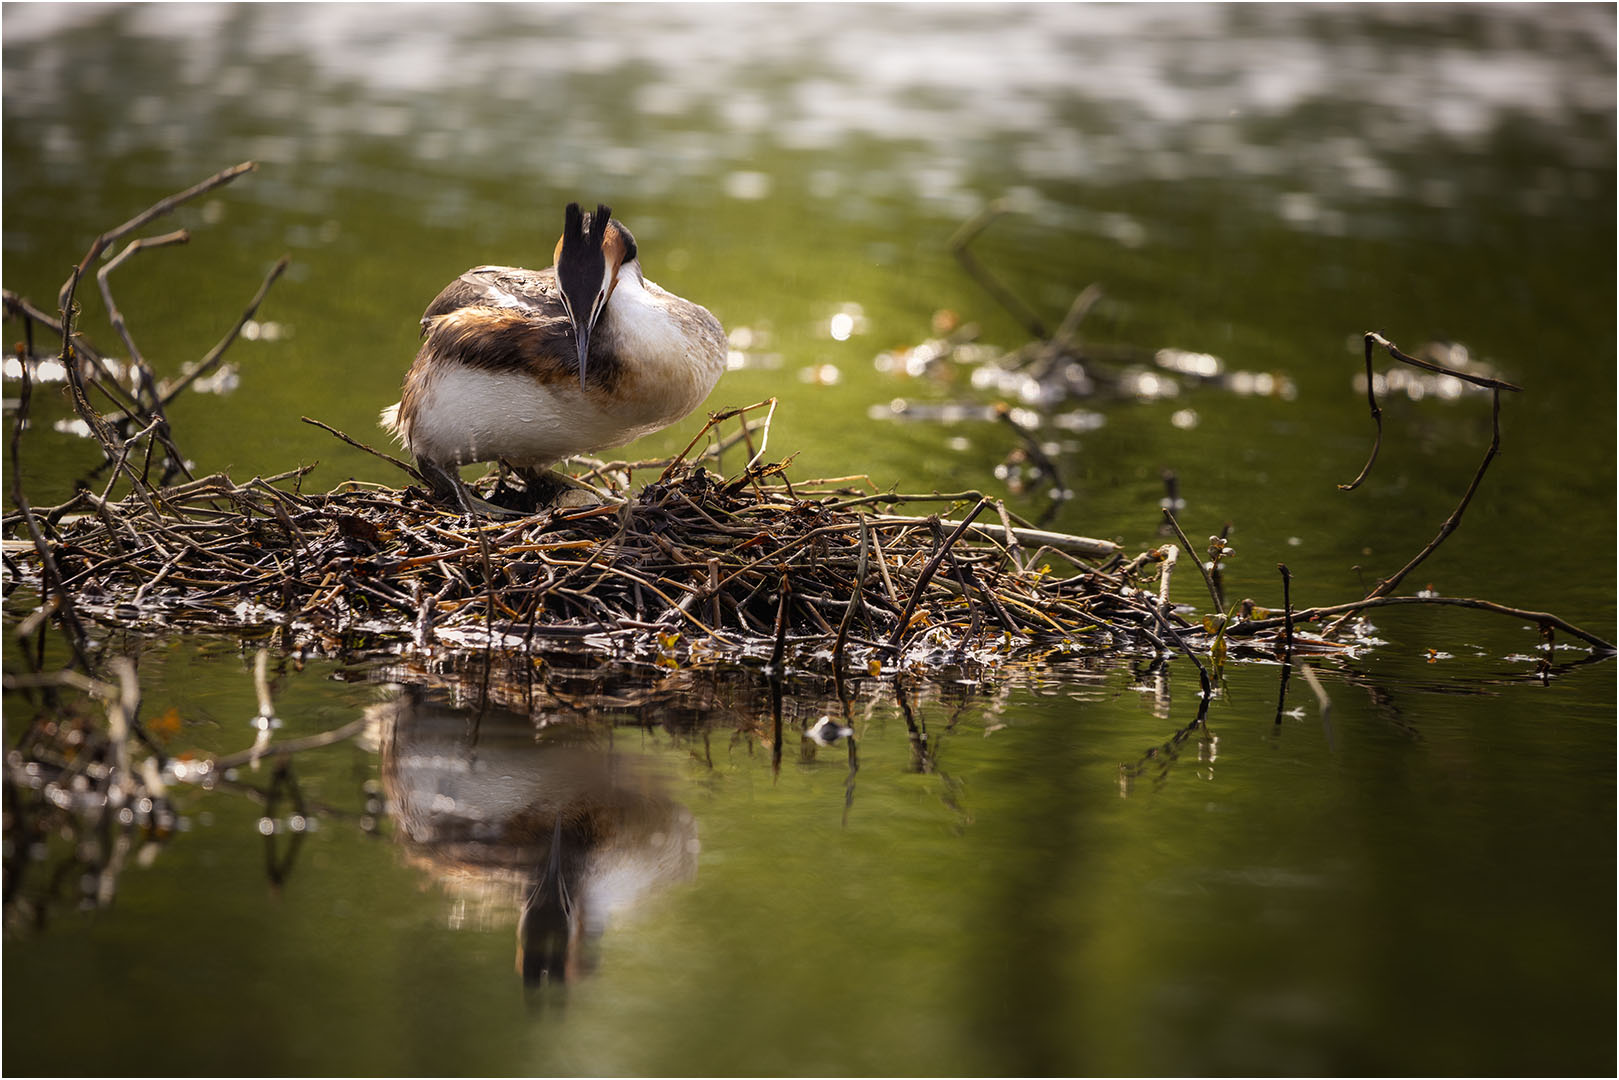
<point>448,487</point>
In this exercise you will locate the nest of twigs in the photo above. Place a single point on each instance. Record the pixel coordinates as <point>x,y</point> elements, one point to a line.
<point>689,566</point>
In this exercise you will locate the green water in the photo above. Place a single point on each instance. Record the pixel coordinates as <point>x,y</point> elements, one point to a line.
<point>1418,878</point>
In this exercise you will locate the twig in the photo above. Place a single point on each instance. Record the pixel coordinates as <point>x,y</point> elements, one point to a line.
<point>927,573</point>
<point>1077,545</point>
<point>179,236</point>
<point>163,206</point>
<point>1287,610</point>
<point>1537,617</point>
<point>1214,593</point>
<point>53,576</point>
<point>75,379</point>
<point>856,599</point>
<point>1377,419</point>
<point>1373,339</point>
<point>1387,585</point>
<point>168,393</point>
<point>362,446</point>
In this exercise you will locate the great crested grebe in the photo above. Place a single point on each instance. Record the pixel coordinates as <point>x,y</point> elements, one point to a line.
<point>530,367</point>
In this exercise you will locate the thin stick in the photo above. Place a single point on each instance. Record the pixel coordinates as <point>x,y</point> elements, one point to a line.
<point>713,420</point>
<point>1375,339</point>
<point>1031,445</point>
<point>179,236</point>
<point>75,379</point>
<point>1214,594</point>
<point>1081,307</point>
<point>927,573</point>
<point>1537,617</point>
<point>1077,545</point>
<point>1377,418</point>
<point>163,206</point>
<point>857,599</point>
<point>1387,585</point>
<point>168,393</point>
<point>1439,369</point>
<point>361,446</point>
<point>70,618</point>
<point>1287,610</point>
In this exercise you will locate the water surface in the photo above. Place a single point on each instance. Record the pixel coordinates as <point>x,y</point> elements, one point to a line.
<point>1039,871</point>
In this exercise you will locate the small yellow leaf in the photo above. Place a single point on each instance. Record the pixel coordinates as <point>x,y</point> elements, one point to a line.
<point>166,726</point>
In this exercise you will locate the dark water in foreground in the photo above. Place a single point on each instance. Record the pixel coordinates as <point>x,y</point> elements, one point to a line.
<point>1030,871</point>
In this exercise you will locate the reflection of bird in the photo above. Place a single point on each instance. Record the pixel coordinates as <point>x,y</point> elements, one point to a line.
<point>571,833</point>
<point>534,366</point>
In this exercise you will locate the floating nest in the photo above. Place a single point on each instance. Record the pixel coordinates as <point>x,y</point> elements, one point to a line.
<point>691,567</point>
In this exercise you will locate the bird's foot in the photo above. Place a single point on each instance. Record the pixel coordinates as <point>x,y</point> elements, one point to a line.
<point>448,487</point>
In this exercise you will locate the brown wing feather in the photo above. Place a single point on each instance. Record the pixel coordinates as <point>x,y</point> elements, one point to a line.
<point>505,318</point>
<point>510,339</point>
<point>533,292</point>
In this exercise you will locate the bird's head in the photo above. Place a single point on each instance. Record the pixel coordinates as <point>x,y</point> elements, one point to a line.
<point>588,257</point>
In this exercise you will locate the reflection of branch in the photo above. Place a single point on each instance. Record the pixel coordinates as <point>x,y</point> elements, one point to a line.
<point>1168,752</point>
<point>291,746</point>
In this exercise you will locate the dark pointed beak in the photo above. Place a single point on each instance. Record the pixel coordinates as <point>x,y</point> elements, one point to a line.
<point>581,337</point>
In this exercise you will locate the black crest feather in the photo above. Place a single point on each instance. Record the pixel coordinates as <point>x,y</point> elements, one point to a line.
<point>573,226</point>
<point>598,226</point>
